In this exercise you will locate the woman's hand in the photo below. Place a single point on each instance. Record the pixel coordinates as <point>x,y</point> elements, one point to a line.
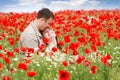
<point>53,33</point>
<point>52,40</point>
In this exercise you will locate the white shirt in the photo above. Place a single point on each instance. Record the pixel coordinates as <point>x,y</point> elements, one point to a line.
<point>31,37</point>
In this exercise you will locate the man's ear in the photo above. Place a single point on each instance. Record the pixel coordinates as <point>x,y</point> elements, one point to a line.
<point>42,19</point>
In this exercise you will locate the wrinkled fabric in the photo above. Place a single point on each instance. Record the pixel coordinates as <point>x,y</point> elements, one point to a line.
<point>31,37</point>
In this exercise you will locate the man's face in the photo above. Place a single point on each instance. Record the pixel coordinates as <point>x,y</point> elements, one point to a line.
<point>45,23</point>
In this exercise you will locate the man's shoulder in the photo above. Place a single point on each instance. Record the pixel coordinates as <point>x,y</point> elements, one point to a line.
<point>28,31</point>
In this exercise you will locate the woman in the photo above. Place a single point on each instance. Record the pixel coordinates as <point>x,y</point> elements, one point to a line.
<point>52,39</point>
<point>57,54</point>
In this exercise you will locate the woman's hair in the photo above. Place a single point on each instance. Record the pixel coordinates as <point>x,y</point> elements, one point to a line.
<point>58,46</point>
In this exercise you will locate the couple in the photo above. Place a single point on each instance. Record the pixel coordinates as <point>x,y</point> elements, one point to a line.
<point>37,29</point>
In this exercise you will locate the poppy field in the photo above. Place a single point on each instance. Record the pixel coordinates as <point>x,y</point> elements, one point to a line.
<point>90,42</point>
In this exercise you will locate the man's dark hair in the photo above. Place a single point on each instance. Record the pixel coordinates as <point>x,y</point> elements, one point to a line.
<point>45,13</point>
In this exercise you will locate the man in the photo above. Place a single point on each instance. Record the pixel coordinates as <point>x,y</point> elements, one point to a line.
<point>31,37</point>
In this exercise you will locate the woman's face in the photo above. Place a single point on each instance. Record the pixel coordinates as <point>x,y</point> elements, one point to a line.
<point>48,33</point>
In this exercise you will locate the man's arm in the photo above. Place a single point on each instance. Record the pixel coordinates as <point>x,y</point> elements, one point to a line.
<point>29,41</point>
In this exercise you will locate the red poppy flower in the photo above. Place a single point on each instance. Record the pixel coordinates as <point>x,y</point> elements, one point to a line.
<point>80,59</point>
<point>16,50</point>
<point>67,38</point>
<point>11,41</point>
<point>24,49</point>
<point>82,40</point>
<point>1,47</point>
<point>61,43</point>
<point>10,54</point>
<point>93,69</point>
<point>12,70</point>
<point>22,65</point>
<point>1,66</point>
<point>76,33</point>
<point>108,56</point>
<point>42,47</point>
<point>18,38</point>
<point>65,63</point>
<point>30,50</point>
<point>7,60</point>
<point>73,46</point>
<point>57,33</point>
<point>64,75</point>
<point>1,38</point>
<point>54,49</point>
<point>31,73</point>
<point>93,47</point>
<point>2,55</point>
<point>104,59</point>
<point>87,51</point>
<point>98,43</point>
<point>45,40</point>
<point>6,78</point>
<point>87,63</point>
<point>75,52</point>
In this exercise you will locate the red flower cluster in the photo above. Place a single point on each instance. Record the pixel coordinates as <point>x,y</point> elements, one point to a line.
<point>93,69</point>
<point>45,40</point>
<point>6,78</point>
<point>105,59</point>
<point>31,73</point>
<point>64,75</point>
<point>54,49</point>
<point>77,32</point>
<point>1,66</point>
<point>80,59</point>
<point>65,63</point>
<point>22,66</point>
